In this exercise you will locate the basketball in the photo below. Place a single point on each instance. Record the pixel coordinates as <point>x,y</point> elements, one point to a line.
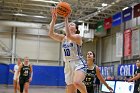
<point>63,9</point>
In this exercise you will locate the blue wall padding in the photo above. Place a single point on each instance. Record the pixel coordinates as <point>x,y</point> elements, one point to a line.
<point>4,70</point>
<point>48,75</point>
<point>42,75</point>
<point>10,79</point>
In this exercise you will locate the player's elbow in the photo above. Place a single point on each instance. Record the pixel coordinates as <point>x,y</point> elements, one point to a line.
<point>69,36</point>
<point>138,76</point>
<point>50,34</point>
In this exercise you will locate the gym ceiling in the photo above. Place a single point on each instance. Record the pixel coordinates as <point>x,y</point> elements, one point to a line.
<point>38,11</point>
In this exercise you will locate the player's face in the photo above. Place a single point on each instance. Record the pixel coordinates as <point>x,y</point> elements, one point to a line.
<point>72,27</point>
<point>89,55</point>
<point>138,63</point>
<point>19,61</point>
<point>26,60</point>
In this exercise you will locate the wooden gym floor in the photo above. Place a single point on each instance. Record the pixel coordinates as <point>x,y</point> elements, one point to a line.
<point>34,89</point>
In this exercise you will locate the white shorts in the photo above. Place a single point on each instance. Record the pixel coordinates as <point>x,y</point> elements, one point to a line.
<point>71,67</point>
<point>14,78</point>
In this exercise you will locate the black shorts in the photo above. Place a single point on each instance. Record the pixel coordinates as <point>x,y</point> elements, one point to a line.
<point>137,88</point>
<point>23,80</point>
<point>90,89</point>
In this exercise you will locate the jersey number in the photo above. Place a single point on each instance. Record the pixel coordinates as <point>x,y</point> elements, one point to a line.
<point>25,72</point>
<point>67,52</point>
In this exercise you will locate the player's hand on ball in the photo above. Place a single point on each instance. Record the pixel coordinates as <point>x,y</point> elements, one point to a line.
<point>54,13</point>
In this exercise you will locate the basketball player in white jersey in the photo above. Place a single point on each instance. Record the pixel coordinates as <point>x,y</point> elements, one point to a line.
<point>75,65</point>
<point>16,82</point>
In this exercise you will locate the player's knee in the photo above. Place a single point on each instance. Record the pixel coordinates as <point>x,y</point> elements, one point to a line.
<point>77,83</point>
<point>15,87</point>
<point>26,90</point>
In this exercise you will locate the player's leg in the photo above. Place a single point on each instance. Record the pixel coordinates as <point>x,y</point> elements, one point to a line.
<point>26,87</point>
<point>18,87</point>
<point>21,85</point>
<point>79,75</point>
<point>136,88</point>
<point>15,86</point>
<point>78,78</point>
<point>70,89</point>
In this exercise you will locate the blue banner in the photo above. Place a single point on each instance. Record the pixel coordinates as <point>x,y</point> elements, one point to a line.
<point>126,70</point>
<point>117,19</point>
<point>127,14</point>
<point>107,70</point>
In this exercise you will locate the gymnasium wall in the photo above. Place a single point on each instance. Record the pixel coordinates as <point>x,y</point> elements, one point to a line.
<point>35,44</point>
<point>42,75</point>
<point>109,42</point>
<point>109,46</point>
<point>30,42</point>
<point>88,46</point>
<point>5,36</point>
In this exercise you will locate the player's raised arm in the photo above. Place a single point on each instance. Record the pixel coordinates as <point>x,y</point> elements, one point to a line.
<point>52,34</point>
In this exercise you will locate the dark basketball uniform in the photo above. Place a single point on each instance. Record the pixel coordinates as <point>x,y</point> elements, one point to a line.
<point>90,80</point>
<point>137,82</point>
<point>24,76</point>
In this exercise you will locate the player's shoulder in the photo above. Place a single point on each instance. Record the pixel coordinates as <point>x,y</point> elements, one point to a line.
<point>138,69</point>
<point>97,67</point>
<point>30,65</point>
<point>16,65</point>
<point>64,38</point>
<point>21,65</point>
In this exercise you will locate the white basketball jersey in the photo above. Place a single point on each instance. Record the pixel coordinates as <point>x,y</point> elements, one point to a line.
<point>15,70</point>
<point>71,51</point>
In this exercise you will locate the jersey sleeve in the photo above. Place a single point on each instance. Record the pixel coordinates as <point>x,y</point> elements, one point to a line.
<point>138,71</point>
<point>134,71</point>
<point>15,68</point>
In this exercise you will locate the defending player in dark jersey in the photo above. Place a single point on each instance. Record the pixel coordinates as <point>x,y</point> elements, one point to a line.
<point>136,77</point>
<point>93,72</point>
<point>25,70</point>
<point>90,79</point>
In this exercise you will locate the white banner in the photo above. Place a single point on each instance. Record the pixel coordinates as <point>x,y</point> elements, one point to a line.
<point>85,32</point>
<point>135,42</point>
<point>119,44</point>
<point>89,33</point>
<point>81,29</point>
